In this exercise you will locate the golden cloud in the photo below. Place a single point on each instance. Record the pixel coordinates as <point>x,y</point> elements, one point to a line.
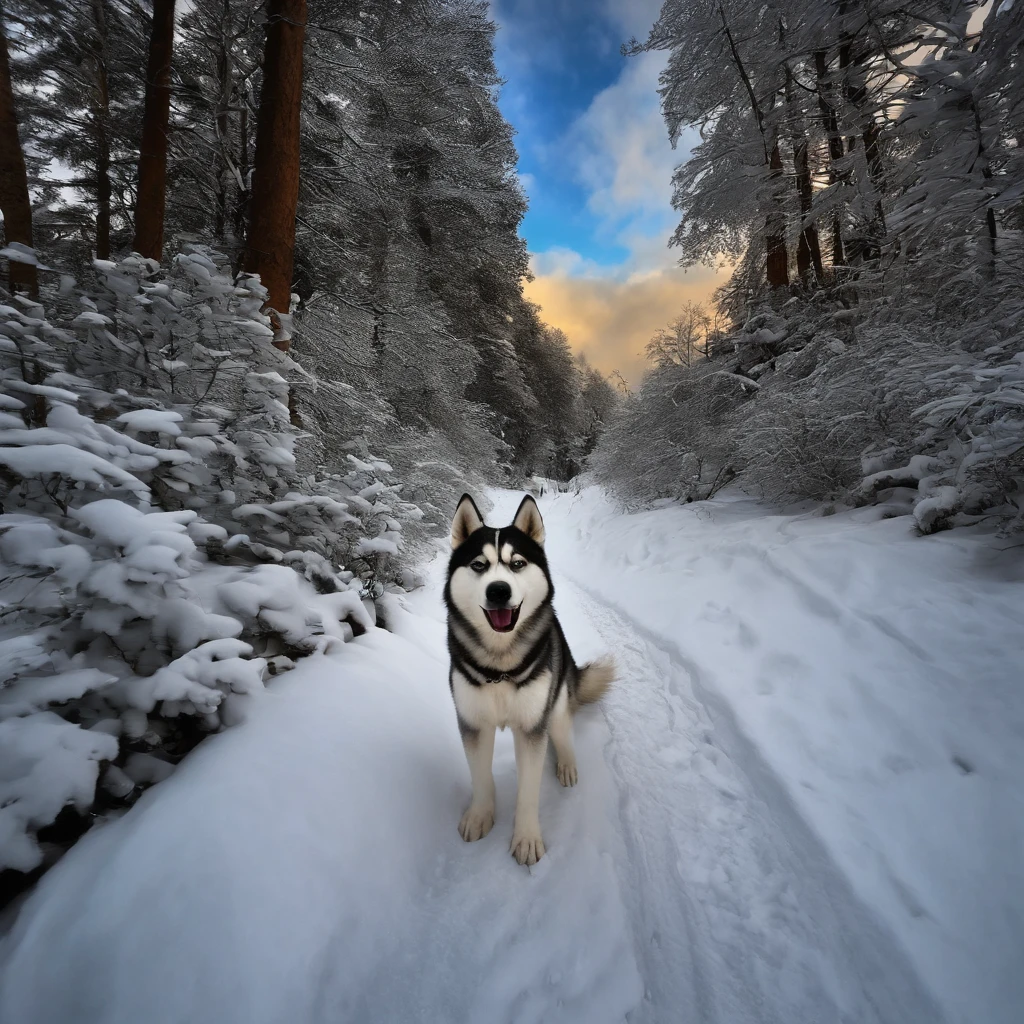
<point>610,321</point>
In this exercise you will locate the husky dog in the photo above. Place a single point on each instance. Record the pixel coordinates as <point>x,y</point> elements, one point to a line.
<point>511,665</point>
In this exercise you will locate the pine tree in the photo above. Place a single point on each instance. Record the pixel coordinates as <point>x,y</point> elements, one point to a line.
<point>78,66</point>
<point>14,198</point>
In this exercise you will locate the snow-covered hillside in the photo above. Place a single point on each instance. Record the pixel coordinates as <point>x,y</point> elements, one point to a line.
<point>797,805</point>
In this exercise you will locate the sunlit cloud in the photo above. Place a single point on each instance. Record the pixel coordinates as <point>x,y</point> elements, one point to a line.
<point>621,156</point>
<point>610,321</point>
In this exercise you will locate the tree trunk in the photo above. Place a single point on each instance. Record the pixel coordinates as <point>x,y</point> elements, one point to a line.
<point>101,128</point>
<point>836,150</point>
<point>775,229</point>
<point>241,208</point>
<point>808,255</point>
<point>270,246</point>
<point>777,261</point>
<point>808,252</point>
<point>14,199</point>
<point>149,208</point>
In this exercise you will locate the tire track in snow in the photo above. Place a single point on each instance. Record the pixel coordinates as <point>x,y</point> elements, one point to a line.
<point>738,913</point>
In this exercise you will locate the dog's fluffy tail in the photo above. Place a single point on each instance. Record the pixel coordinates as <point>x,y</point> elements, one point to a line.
<point>594,681</point>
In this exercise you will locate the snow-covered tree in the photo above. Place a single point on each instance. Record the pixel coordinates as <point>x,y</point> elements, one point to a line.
<point>888,372</point>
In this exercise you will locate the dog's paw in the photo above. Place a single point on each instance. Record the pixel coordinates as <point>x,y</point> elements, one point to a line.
<point>527,848</point>
<point>566,773</point>
<point>476,823</point>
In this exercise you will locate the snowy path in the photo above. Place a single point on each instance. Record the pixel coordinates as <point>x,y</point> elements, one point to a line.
<point>737,914</point>
<point>305,866</point>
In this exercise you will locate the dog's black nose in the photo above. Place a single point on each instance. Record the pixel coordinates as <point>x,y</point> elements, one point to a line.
<point>498,593</point>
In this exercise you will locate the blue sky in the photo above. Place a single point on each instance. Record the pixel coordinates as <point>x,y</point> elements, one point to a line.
<point>596,163</point>
<point>557,56</point>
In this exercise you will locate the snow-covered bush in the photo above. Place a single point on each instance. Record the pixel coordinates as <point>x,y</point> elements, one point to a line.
<point>668,440</point>
<point>915,397</point>
<point>160,552</point>
<point>966,458</point>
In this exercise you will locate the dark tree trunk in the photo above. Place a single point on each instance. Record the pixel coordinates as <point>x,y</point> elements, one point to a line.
<point>14,199</point>
<point>775,229</point>
<point>241,209</point>
<point>270,246</point>
<point>149,209</point>
<point>982,160</point>
<point>836,150</point>
<point>101,129</point>
<point>808,255</point>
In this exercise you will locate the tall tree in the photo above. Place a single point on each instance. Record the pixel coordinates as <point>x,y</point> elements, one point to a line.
<point>14,198</point>
<point>152,196</point>
<point>78,66</point>
<point>270,246</point>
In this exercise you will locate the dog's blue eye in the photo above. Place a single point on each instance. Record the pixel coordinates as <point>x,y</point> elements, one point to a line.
<point>478,566</point>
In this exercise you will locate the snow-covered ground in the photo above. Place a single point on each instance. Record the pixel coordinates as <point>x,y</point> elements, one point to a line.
<point>801,803</point>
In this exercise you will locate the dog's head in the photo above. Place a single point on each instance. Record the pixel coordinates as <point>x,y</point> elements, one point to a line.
<point>498,578</point>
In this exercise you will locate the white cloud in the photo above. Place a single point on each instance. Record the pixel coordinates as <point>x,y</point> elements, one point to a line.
<point>618,151</point>
<point>633,17</point>
<point>559,261</point>
<point>527,181</point>
<point>620,145</point>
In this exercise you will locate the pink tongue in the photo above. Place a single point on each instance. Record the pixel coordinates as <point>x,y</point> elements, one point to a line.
<point>501,618</point>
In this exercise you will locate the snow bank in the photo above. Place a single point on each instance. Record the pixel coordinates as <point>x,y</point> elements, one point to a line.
<point>878,675</point>
<point>306,867</point>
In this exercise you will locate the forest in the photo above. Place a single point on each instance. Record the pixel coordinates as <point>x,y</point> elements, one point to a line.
<point>861,165</point>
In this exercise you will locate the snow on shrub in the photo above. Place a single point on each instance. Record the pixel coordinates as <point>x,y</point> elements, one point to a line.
<point>161,553</point>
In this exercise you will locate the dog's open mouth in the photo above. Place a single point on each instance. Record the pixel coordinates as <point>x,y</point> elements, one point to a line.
<point>502,620</point>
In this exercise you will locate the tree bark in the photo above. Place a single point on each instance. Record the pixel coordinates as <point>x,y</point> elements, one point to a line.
<point>101,128</point>
<point>270,246</point>
<point>151,202</point>
<point>856,96</point>
<point>241,207</point>
<point>808,255</point>
<point>14,198</point>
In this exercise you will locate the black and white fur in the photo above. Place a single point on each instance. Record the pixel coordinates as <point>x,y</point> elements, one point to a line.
<point>511,665</point>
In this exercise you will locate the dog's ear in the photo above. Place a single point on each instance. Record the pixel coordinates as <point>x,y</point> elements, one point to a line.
<point>529,521</point>
<point>467,520</point>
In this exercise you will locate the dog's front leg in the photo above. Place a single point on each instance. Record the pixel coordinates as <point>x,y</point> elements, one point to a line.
<point>527,844</point>
<point>479,818</point>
